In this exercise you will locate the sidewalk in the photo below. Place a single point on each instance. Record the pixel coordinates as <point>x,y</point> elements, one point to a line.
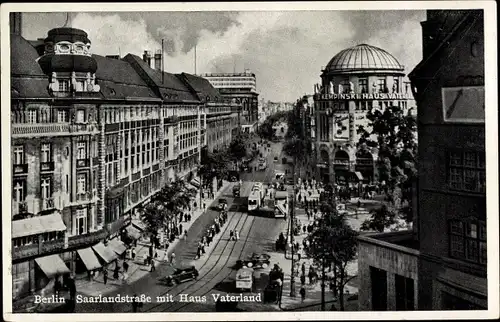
<point>138,270</point>
<point>313,291</point>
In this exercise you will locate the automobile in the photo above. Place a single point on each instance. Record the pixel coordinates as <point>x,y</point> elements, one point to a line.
<point>222,204</point>
<point>245,279</point>
<point>256,260</point>
<point>182,274</point>
<point>275,159</point>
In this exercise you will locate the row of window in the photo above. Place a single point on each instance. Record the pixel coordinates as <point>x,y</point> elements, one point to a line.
<point>466,171</point>
<point>468,241</point>
<point>363,87</point>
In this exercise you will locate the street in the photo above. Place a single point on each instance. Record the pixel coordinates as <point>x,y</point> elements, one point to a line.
<point>216,275</point>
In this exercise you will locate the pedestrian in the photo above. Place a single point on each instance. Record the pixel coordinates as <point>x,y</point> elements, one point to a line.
<point>135,305</point>
<point>302,279</point>
<point>204,206</point>
<point>133,253</point>
<point>152,266</point>
<point>198,252</point>
<point>180,228</point>
<point>304,229</point>
<point>303,268</point>
<point>303,293</point>
<point>125,266</point>
<point>195,205</point>
<point>105,275</point>
<point>116,272</point>
<point>231,235</point>
<point>185,234</point>
<point>236,235</point>
<point>300,197</point>
<point>172,258</point>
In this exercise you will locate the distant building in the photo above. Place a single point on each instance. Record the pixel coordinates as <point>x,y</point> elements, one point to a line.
<point>355,81</point>
<point>441,264</point>
<point>240,88</point>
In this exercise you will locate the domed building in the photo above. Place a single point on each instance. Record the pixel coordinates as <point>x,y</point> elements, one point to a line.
<point>355,81</point>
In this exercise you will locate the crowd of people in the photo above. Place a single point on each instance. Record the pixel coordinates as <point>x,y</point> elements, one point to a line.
<point>214,229</point>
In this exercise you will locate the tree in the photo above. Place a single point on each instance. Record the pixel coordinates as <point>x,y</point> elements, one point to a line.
<point>266,130</point>
<point>334,243</point>
<point>380,218</point>
<point>214,165</point>
<point>237,149</point>
<point>393,133</point>
<point>154,218</point>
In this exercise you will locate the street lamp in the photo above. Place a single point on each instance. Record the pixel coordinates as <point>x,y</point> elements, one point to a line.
<point>292,275</point>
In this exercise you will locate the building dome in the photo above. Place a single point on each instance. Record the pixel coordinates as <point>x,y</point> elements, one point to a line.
<point>363,58</point>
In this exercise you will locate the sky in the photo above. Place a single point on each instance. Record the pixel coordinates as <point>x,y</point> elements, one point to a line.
<point>285,49</point>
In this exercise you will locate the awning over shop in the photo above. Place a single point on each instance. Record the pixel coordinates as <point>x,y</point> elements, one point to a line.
<point>138,224</point>
<point>358,175</point>
<point>52,265</point>
<point>133,232</point>
<point>88,258</point>
<point>195,182</point>
<point>37,225</point>
<point>117,246</point>
<point>104,252</point>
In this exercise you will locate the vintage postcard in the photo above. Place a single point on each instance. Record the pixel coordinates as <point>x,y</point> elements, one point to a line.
<point>249,161</point>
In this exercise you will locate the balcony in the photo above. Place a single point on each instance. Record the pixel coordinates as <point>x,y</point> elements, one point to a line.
<point>47,166</point>
<point>25,130</point>
<point>25,251</point>
<point>47,203</point>
<point>341,162</point>
<point>82,163</point>
<point>86,239</point>
<point>83,128</point>
<point>83,197</point>
<point>20,169</point>
<point>19,207</point>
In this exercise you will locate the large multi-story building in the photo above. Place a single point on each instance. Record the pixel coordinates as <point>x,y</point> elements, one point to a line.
<point>240,88</point>
<point>356,80</point>
<point>441,264</point>
<point>93,138</point>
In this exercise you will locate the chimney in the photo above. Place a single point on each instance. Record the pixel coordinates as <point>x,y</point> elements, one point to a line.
<point>147,57</point>
<point>16,21</point>
<point>158,59</point>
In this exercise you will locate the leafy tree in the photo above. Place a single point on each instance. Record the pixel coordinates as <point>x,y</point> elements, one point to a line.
<point>215,165</point>
<point>154,218</point>
<point>393,133</point>
<point>237,149</point>
<point>265,130</point>
<point>380,218</point>
<point>334,231</point>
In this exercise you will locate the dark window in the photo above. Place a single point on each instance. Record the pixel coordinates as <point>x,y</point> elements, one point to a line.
<point>363,85</point>
<point>466,171</point>
<point>468,240</point>
<point>451,302</point>
<point>379,289</point>
<point>405,293</point>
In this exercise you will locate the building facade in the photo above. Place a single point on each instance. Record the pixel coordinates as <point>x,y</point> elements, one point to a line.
<point>355,81</point>
<point>222,114</point>
<point>93,138</point>
<point>449,89</point>
<point>441,264</point>
<point>239,88</point>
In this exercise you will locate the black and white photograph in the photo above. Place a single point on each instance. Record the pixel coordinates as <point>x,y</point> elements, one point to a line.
<point>250,161</point>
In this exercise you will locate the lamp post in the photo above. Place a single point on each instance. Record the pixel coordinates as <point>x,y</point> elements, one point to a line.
<point>292,275</point>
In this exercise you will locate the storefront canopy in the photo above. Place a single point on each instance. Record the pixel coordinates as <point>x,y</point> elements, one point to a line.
<point>105,252</point>
<point>88,258</point>
<point>358,175</point>
<point>133,232</point>
<point>138,224</point>
<point>52,265</point>
<point>117,246</point>
<point>195,182</point>
<point>37,225</point>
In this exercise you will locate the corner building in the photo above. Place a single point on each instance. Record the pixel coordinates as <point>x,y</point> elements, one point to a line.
<point>441,263</point>
<point>355,81</point>
<point>93,138</point>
